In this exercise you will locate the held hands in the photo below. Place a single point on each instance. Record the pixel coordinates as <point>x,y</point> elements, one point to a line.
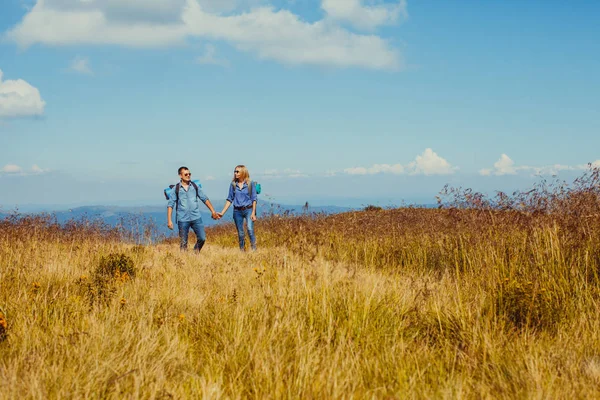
<point>219,215</point>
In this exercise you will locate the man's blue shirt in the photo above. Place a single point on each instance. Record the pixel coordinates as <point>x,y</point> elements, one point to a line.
<point>240,197</point>
<point>189,204</point>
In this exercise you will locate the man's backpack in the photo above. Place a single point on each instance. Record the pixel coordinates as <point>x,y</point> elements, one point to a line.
<point>195,183</point>
<point>256,186</point>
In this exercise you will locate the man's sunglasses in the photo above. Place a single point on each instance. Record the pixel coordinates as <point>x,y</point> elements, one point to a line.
<point>188,174</point>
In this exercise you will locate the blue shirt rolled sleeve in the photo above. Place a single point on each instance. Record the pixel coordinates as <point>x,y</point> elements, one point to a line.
<point>172,199</point>
<point>202,196</point>
<point>231,193</point>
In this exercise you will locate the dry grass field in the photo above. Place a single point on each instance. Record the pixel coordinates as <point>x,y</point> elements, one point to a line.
<point>481,298</point>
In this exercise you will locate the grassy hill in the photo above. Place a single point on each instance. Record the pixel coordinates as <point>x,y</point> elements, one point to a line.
<point>479,299</point>
<point>141,217</point>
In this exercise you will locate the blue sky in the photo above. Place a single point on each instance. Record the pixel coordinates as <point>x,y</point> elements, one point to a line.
<point>342,102</point>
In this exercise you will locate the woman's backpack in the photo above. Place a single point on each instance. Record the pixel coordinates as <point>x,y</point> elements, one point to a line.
<point>256,187</point>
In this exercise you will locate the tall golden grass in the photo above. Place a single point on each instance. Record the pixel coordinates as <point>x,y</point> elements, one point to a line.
<point>480,298</point>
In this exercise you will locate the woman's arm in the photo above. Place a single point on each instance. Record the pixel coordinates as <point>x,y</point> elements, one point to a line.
<point>227,204</point>
<point>253,216</point>
<point>254,199</point>
<point>228,201</point>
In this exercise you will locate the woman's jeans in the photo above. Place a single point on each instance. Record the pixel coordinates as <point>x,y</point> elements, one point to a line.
<point>184,230</point>
<point>238,218</point>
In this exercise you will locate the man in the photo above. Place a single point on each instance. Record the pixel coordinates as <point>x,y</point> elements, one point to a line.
<point>184,197</point>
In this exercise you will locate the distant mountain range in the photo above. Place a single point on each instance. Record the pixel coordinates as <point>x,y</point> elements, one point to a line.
<point>157,215</point>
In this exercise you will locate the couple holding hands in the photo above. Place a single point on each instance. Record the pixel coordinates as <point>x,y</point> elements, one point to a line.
<point>184,198</point>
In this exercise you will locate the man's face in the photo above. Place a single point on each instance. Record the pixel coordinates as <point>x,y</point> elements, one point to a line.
<point>185,175</point>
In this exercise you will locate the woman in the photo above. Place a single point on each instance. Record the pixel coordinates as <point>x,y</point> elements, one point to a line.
<point>242,194</point>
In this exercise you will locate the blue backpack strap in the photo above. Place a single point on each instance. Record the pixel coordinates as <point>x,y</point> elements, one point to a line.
<point>177,199</point>
<point>195,187</point>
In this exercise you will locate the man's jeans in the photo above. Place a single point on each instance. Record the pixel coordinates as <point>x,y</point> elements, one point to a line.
<point>184,230</point>
<point>238,218</point>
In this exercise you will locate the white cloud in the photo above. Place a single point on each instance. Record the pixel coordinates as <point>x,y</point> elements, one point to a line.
<point>228,6</point>
<point>11,169</point>
<point>73,22</point>
<point>428,163</point>
<point>14,169</point>
<point>19,99</point>
<point>283,36</point>
<point>266,32</point>
<point>355,171</point>
<point>364,16</point>
<point>552,169</point>
<point>392,169</point>
<point>277,174</point>
<point>396,169</point>
<point>209,57</point>
<point>35,169</point>
<point>506,166</point>
<point>81,65</point>
<point>270,172</point>
<point>294,173</point>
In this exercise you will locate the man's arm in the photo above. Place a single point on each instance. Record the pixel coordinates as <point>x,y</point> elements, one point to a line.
<point>212,210</point>
<point>169,218</point>
<point>170,205</point>
<point>207,203</point>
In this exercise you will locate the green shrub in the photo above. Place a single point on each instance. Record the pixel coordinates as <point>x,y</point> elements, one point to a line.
<point>111,270</point>
<point>116,265</point>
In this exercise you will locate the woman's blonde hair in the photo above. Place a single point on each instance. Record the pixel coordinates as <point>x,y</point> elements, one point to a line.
<point>244,174</point>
